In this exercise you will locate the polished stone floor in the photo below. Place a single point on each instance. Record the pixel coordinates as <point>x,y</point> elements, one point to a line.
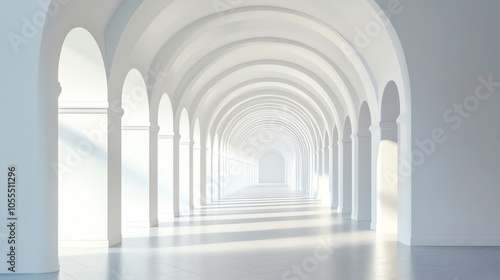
<point>269,233</point>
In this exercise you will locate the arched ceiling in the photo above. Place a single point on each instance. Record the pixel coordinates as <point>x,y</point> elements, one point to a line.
<point>297,63</point>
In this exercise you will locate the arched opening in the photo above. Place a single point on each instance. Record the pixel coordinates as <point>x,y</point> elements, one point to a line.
<point>196,170</point>
<point>361,169</point>
<point>387,162</point>
<point>185,191</point>
<point>139,136</point>
<point>272,168</point>
<point>89,201</point>
<point>199,51</point>
<point>165,160</point>
<point>345,169</point>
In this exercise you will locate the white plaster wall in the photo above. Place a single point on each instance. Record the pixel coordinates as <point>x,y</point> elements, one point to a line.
<point>455,188</point>
<point>26,145</point>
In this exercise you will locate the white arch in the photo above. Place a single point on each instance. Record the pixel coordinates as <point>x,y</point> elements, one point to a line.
<point>139,155</point>
<point>80,62</point>
<point>185,171</point>
<point>84,158</point>
<point>387,206</point>
<point>362,167</point>
<point>345,168</point>
<point>166,202</point>
<point>196,165</point>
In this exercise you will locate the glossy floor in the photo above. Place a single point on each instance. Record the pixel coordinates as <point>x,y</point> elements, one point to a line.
<point>264,233</point>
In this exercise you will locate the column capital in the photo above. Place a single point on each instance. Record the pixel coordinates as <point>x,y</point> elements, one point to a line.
<point>166,135</point>
<point>384,126</point>
<point>56,87</point>
<point>96,108</point>
<point>141,126</point>
<point>186,142</point>
<point>84,105</point>
<point>362,134</point>
<point>345,141</point>
<point>154,128</point>
<point>197,147</point>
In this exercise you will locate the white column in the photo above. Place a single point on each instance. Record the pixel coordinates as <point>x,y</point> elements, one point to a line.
<point>314,173</point>
<point>166,177</point>
<point>226,175</point>
<point>184,176</point>
<point>236,175</point>
<point>208,177</point>
<point>203,176</point>
<point>176,170</point>
<point>215,177</point>
<point>334,175</point>
<point>222,178</point>
<point>89,175</point>
<point>300,180</point>
<point>326,171</point>
<point>139,174</point>
<point>319,173</point>
<point>384,187</point>
<point>307,170</point>
<point>404,181</point>
<point>28,124</point>
<point>361,176</point>
<point>345,171</point>
<point>196,175</point>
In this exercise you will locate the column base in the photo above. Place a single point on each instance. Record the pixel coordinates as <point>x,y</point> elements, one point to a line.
<point>140,224</point>
<point>360,218</point>
<point>344,210</point>
<point>90,243</point>
<point>166,217</point>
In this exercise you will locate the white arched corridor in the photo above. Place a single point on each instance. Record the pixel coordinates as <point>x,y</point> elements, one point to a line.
<point>171,128</point>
